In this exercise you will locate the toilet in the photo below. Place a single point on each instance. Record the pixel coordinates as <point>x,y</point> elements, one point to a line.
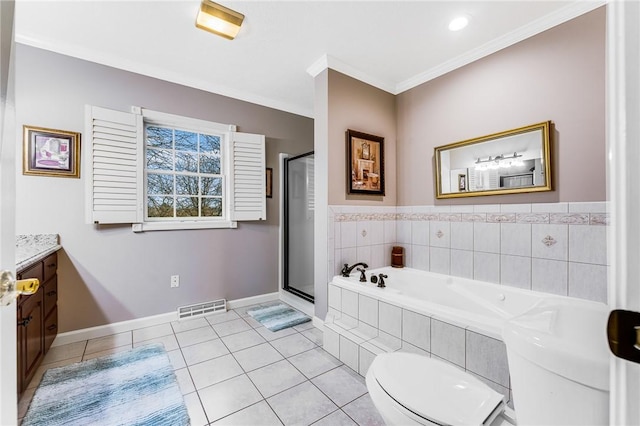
<point>558,363</point>
<point>410,389</point>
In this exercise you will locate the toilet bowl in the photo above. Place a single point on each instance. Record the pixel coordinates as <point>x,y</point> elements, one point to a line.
<point>410,389</point>
<point>558,364</point>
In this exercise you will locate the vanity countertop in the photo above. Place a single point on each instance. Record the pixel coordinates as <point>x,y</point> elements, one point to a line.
<point>32,248</point>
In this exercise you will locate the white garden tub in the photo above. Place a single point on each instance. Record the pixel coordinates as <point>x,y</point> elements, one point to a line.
<point>471,304</point>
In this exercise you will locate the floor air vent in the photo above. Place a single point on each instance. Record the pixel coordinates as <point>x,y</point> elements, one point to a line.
<point>200,309</point>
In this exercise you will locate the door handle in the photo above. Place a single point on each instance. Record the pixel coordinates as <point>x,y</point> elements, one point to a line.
<point>623,333</point>
<point>10,289</point>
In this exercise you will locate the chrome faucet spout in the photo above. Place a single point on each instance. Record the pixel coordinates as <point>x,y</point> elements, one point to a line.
<point>346,269</point>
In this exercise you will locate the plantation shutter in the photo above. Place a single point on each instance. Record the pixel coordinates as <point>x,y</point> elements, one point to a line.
<point>247,177</point>
<point>114,162</point>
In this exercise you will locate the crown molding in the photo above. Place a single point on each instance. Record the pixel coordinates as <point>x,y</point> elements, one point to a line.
<point>560,16</point>
<point>327,61</point>
<point>117,62</point>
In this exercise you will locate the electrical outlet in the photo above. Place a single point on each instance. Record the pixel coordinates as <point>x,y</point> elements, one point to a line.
<point>175,280</point>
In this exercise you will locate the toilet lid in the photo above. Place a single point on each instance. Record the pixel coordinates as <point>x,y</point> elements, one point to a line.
<point>434,390</point>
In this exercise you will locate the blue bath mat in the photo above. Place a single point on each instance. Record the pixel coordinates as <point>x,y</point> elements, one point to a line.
<point>136,387</point>
<point>278,317</point>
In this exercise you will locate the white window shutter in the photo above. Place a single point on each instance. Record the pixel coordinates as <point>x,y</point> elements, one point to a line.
<point>247,177</point>
<point>114,163</point>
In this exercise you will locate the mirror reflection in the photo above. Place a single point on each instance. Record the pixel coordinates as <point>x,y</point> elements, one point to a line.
<point>508,162</point>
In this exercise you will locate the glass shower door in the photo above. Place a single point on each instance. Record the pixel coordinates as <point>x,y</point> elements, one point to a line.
<point>299,206</point>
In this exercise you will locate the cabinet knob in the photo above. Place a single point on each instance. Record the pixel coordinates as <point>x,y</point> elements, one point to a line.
<point>25,321</point>
<point>52,293</point>
<point>52,327</point>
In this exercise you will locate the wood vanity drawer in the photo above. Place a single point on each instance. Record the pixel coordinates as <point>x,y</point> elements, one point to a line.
<point>50,294</point>
<point>34,271</point>
<point>50,266</point>
<point>50,328</point>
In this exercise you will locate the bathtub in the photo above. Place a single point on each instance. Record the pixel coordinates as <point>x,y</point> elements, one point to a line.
<point>467,303</point>
<point>456,319</point>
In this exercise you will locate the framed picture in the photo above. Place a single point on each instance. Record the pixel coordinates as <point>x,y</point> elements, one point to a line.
<point>269,177</point>
<point>365,163</point>
<point>50,152</point>
<point>462,182</point>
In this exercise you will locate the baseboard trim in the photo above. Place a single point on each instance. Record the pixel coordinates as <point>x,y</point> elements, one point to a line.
<point>318,323</point>
<point>124,326</point>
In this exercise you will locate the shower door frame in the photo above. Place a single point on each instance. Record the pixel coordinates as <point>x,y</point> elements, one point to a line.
<point>285,273</point>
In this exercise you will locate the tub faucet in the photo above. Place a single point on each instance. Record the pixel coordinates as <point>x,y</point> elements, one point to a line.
<point>346,269</point>
<point>381,280</point>
<point>363,277</point>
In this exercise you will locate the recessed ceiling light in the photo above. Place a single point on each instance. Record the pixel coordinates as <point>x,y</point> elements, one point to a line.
<point>458,23</point>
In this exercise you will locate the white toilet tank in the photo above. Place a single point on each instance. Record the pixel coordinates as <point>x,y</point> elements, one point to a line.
<point>559,364</point>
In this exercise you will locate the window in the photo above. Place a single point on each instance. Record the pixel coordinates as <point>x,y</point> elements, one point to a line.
<point>160,171</point>
<point>184,176</point>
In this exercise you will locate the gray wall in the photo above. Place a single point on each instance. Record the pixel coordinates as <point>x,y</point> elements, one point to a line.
<point>557,75</point>
<point>110,274</point>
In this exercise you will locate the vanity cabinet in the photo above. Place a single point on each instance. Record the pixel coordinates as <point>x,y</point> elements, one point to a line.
<point>37,318</point>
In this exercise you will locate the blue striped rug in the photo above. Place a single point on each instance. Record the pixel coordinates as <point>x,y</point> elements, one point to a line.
<point>136,387</point>
<point>278,317</point>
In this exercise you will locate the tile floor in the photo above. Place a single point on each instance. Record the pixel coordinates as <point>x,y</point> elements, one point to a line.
<point>234,371</point>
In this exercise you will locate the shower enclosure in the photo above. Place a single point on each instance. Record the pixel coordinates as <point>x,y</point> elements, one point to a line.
<point>299,206</point>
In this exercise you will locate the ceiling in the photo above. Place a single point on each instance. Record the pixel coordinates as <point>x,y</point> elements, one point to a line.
<point>393,45</point>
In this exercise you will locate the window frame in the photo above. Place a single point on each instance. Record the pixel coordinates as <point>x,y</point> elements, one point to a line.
<point>114,162</point>
<point>177,122</point>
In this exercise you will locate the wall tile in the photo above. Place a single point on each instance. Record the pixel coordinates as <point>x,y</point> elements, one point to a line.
<point>377,232</point>
<point>515,239</point>
<point>349,353</point>
<point>390,232</point>
<point>420,232</point>
<point>335,297</point>
<point>348,234</point>
<point>549,208</point>
<point>368,310</point>
<point>550,241</point>
<point>588,281</point>
<point>439,234</point>
<point>378,258</point>
<point>416,329</point>
<point>486,267</point>
<point>486,208</point>
<point>363,254</point>
<point>515,208</point>
<point>462,263</point>
<point>487,357</point>
<point>589,207</point>
<point>331,342</point>
<point>439,260</point>
<point>588,244</point>
<point>363,233</point>
<point>448,342</point>
<point>350,303</point>
<point>486,237</point>
<point>462,235</point>
<point>367,354</point>
<point>390,319</point>
<point>403,231</point>
<point>347,255</point>
<point>409,348</point>
<point>549,276</point>
<point>515,271</point>
<point>420,257</point>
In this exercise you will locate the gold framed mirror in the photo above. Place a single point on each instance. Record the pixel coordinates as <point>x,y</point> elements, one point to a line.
<point>509,162</point>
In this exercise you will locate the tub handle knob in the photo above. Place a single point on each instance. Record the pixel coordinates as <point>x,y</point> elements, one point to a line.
<point>381,280</point>
<point>363,277</point>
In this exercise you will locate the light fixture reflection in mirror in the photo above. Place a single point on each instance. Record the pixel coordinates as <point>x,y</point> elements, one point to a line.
<point>508,162</point>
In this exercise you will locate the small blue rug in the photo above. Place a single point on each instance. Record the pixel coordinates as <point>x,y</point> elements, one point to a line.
<point>278,317</point>
<point>136,387</point>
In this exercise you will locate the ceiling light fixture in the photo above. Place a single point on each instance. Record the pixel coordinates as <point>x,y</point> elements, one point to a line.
<point>458,23</point>
<point>219,20</point>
